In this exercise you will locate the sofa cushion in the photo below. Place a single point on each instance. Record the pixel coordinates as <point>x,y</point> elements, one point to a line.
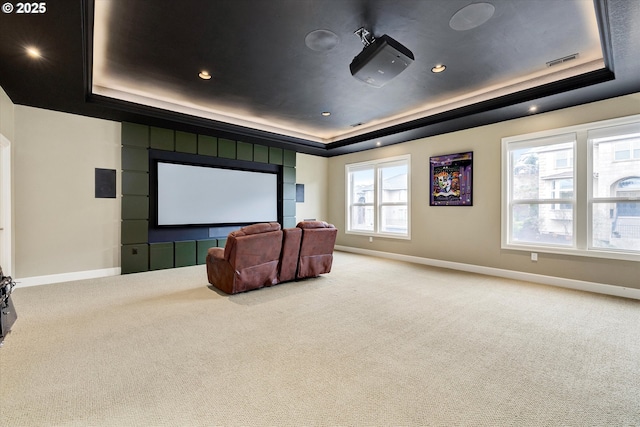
<point>314,224</point>
<point>263,227</point>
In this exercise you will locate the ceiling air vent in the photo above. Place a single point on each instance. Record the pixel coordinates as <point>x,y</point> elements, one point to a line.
<point>562,60</point>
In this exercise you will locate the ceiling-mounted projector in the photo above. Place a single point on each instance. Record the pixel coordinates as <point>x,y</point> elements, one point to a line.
<point>381,60</point>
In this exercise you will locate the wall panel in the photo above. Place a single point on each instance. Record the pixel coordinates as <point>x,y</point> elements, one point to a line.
<point>135,212</point>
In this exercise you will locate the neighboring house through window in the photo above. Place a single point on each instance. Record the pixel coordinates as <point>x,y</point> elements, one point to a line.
<point>574,190</point>
<point>378,197</point>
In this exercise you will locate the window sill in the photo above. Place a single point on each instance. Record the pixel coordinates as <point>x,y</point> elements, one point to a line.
<point>590,253</point>
<point>379,235</point>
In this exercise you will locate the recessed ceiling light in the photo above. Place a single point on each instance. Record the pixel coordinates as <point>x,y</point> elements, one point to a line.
<point>378,143</point>
<point>33,52</point>
<point>533,109</point>
<point>326,113</point>
<point>204,75</point>
<point>438,68</point>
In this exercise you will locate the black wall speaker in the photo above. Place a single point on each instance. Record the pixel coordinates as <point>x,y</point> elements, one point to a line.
<point>105,183</point>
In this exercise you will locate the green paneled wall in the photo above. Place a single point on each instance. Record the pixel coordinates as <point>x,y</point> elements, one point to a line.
<point>135,231</point>
<point>135,159</point>
<point>226,148</point>
<point>185,253</point>
<point>260,154</point>
<point>289,174</point>
<point>161,139</point>
<point>135,207</point>
<point>202,246</point>
<point>160,255</point>
<point>135,183</point>
<point>207,145</point>
<point>135,198</point>
<point>135,258</point>
<point>137,253</point>
<point>134,135</point>
<point>275,156</point>
<point>244,151</point>
<point>186,142</point>
<point>289,222</point>
<point>289,208</point>
<point>289,191</point>
<point>289,158</point>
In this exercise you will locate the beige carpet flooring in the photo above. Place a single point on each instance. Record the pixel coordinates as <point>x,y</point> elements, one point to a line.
<point>374,343</point>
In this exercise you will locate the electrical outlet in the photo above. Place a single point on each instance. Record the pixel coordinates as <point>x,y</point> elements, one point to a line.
<point>534,256</point>
<point>370,239</point>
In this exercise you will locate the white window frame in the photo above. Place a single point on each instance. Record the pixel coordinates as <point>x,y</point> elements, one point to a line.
<point>583,192</point>
<point>377,204</point>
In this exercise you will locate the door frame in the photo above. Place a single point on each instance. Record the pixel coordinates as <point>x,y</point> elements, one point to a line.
<point>6,246</point>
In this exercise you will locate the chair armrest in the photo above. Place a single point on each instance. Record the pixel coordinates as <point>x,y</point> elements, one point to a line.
<point>215,253</point>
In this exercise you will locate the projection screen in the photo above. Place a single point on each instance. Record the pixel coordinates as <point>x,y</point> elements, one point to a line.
<point>200,195</point>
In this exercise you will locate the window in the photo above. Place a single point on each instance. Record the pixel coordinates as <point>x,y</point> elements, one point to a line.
<point>627,150</point>
<point>542,194</point>
<point>614,197</point>
<point>574,190</point>
<point>378,197</point>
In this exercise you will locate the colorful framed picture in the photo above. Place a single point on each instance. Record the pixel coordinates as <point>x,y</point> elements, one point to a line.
<point>451,179</point>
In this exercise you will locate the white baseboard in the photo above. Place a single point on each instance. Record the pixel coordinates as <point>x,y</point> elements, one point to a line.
<point>66,277</point>
<point>600,288</point>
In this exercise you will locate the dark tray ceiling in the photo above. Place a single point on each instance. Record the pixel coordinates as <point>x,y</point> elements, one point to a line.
<point>273,72</point>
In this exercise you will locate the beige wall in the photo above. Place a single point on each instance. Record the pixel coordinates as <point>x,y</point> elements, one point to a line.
<point>471,235</point>
<point>60,227</point>
<point>312,172</point>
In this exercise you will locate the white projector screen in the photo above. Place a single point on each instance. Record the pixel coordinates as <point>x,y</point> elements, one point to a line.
<point>200,195</point>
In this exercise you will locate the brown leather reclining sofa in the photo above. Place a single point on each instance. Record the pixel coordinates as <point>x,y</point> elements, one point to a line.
<point>263,254</point>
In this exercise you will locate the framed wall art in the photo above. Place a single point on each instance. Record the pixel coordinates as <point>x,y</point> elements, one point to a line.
<point>451,179</point>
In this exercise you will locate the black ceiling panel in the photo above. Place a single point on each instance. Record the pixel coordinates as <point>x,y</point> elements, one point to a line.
<point>269,86</point>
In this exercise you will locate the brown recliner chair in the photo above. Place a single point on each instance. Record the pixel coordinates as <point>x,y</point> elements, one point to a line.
<point>316,248</point>
<point>249,260</point>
